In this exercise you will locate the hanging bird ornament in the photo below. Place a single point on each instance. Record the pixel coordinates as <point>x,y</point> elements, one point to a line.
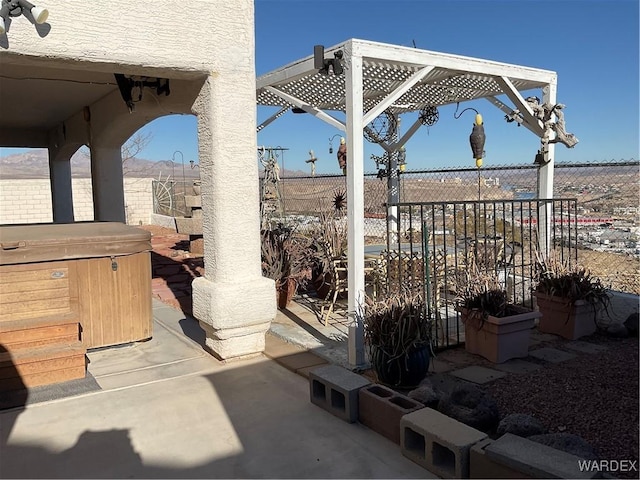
<point>476,139</point>
<point>342,155</point>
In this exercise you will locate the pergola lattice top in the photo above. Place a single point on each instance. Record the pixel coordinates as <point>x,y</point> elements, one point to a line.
<point>388,67</point>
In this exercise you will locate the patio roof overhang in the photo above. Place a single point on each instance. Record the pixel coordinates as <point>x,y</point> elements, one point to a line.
<point>381,78</point>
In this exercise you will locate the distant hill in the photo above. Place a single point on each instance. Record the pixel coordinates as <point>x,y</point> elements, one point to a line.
<point>35,164</point>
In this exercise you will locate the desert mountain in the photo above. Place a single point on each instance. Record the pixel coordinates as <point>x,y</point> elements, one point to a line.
<point>35,164</point>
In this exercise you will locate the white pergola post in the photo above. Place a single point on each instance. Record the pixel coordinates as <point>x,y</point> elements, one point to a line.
<point>355,206</point>
<point>545,180</point>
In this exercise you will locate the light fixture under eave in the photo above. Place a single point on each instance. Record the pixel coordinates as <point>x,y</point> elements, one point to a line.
<point>15,8</point>
<point>323,65</point>
<point>128,84</point>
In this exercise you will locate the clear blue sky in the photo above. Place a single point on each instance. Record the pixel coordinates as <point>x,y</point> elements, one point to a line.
<point>591,44</point>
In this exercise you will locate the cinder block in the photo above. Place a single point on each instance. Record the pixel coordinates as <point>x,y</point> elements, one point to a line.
<point>192,201</point>
<point>381,409</point>
<point>535,459</point>
<point>481,466</point>
<point>438,443</point>
<point>189,226</point>
<point>336,390</point>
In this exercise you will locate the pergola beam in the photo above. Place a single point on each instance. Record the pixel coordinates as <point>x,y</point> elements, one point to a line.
<point>273,117</point>
<point>396,94</point>
<point>408,55</point>
<point>522,106</point>
<point>405,138</point>
<point>286,74</point>
<point>308,108</point>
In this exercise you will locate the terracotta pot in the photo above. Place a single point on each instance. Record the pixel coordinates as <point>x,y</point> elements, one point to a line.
<point>286,292</point>
<point>499,339</point>
<point>561,317</point>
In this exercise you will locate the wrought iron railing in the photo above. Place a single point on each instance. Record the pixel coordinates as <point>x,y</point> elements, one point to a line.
<point>429,245</point>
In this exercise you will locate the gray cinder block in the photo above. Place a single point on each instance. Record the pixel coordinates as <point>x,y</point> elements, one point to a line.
<point>481,466</point>
<point>535,459</point>
<point>193,201</point>
<point>437,442</point>
<point>336,390</point>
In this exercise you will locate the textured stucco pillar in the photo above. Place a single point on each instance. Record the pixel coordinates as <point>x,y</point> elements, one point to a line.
<point>107,183</point>
<point>234,303</point>
<point>61,189</point>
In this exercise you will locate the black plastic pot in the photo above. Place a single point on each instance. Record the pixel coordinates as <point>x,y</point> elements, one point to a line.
<point>406,371</point>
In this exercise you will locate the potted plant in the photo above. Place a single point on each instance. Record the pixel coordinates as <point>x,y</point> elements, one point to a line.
<point>568,297</point>
<point>494,327</point>
<point>398,335</point>
<point>286,258</point>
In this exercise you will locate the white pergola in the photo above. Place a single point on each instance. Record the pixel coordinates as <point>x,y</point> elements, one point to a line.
<point>381,77</point>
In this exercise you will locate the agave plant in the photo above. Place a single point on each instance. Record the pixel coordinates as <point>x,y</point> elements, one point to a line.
<point>285,255</point>
<point>329,242</point>
<point>555,276</point>
<point>480,293</point>
<point>396,324</point>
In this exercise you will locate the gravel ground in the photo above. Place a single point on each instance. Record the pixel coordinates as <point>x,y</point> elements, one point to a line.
<point>594,396</point>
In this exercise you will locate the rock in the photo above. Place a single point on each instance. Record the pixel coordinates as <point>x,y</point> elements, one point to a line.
<point>471,406</point>
<point>631,323</point>
<point>520,424</point>
<point>567,442</point>
<point>617,330</point>
<point>426,395</point>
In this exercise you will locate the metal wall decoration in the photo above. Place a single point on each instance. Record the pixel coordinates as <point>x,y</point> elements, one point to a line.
<point>545,112</point>
<point>339,200</point>
<point>271,204</point>
<point>381,128</point>
<point>429,116</point>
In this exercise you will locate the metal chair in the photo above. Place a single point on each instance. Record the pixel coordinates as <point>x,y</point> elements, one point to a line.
<point>337,280</point>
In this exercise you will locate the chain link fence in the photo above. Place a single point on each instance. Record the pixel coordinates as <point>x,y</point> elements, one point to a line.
<point>607,194</point>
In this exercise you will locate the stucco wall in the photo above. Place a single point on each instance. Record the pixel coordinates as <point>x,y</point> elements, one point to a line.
<point>29,201</point>
<point>202,36</point>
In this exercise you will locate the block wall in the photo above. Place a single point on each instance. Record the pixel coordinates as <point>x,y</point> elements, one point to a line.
<point>29,200</point>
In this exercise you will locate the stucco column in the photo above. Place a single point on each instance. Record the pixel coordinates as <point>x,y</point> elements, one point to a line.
<point>233,302</point>
<point>107,183</point>
<point>61,188</point>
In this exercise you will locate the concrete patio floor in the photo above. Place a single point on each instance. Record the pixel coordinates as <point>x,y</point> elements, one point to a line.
<point>167,409</point>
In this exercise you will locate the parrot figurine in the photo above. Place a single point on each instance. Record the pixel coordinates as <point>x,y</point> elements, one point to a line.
<point>342,155</point>
<point>476,139</point>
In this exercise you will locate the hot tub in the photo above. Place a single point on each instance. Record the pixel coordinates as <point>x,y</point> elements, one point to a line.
<point>98,272</point>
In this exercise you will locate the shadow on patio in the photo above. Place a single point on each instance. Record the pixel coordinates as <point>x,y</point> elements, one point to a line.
<point>166,409</point>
